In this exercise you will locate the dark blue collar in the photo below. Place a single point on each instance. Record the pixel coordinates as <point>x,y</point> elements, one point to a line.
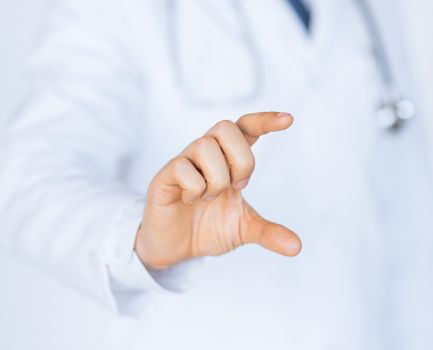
<point>303,12</point>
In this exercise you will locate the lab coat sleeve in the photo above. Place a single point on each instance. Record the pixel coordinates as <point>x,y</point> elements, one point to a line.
<point>63,205</point>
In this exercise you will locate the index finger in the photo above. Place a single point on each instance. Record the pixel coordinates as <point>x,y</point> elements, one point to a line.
<point>255,125</point>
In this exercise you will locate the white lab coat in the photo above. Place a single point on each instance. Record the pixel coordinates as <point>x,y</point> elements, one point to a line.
<point>111,105</point>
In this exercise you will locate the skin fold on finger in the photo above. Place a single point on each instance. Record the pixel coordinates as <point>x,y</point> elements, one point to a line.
<point>236,150</point>
<point>190,180</point>
<point>255,125</point>
<point>207,156</point>
<point>179,179</point>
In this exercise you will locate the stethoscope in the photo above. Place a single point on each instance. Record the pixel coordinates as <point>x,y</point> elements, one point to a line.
<point>393,110</point>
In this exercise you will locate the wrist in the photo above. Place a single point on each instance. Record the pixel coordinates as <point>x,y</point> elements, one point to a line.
<point>149,256</point>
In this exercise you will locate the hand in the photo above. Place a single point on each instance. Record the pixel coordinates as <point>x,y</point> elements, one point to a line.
<point>195,206</point>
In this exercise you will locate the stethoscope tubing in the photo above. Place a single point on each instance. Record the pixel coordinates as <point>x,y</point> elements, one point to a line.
<point>391,99</point>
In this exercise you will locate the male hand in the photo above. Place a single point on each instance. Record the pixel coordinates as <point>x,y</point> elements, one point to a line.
<point>195,206</point>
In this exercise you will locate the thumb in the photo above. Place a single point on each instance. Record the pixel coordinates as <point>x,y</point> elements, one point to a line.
<point>271,236</point>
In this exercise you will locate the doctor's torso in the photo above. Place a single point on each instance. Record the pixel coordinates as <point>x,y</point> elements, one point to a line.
<point>311,178</point>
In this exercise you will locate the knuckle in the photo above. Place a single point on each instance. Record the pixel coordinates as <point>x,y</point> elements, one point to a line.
<point>219,185</point>
<point>224,125</point>
<point>243,118</point>
<point>198,187</point>
<point>179,163</point>
<point>205,142</point>
<point>247,165</point>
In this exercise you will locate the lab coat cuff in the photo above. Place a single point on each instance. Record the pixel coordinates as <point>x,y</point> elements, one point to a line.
<point>126,272</point>
<point>128,278</point>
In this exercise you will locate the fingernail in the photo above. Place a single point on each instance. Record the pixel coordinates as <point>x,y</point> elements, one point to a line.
<point>293,246</point>
<point>284,115</point>
<point>209,198</point>
<point>242,184</point>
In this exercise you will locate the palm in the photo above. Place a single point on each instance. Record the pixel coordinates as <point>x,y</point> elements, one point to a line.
<point>219,226</point>
<point>204,228</point>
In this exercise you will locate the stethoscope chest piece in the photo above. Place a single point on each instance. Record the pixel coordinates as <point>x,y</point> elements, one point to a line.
<point>391,115</point>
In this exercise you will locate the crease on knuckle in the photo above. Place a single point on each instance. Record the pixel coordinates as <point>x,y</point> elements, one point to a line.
<point>224,125</point>
<point>245,166</point>
<point>179,163</point>
<point>218,186</point>
<point>197,187</point>
<point>204,142</point>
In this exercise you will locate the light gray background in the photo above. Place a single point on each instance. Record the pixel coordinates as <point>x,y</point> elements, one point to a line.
<point>20,308</point>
